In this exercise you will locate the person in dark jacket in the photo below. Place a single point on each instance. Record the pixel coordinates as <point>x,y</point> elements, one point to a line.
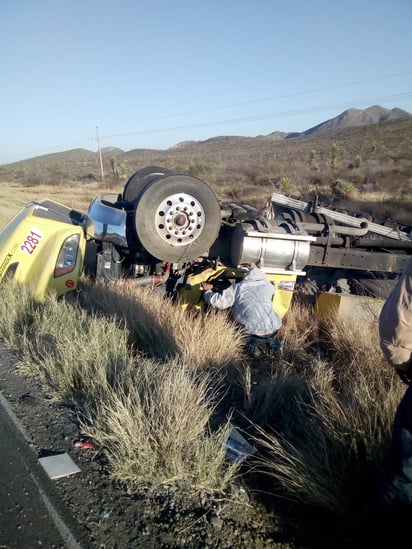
<point>251,302</point>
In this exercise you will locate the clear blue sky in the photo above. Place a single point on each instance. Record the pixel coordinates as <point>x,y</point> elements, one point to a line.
<point>153,73</point>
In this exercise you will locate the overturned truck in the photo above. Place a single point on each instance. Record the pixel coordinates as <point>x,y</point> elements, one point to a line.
<point>169,229</point>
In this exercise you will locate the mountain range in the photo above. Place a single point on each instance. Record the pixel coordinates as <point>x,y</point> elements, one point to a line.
<point>347,119</point>
<point>371,147</point>
<point>357,117</point>
<point>351,118</point>
<point>387,126</point>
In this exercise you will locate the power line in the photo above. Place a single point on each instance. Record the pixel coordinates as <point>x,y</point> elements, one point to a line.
<point>265,99</point>
<point>267,116</point>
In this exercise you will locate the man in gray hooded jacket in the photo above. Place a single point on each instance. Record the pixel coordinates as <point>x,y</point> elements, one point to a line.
<point>252,308</point>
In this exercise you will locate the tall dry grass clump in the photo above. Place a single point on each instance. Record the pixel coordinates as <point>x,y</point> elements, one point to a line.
<point>323,421</point>
<point>158,428</point>
<point>17,306</point>
<point>300,333</point>
<point>152,417</point>
<point>72,353</point>
<point>159,328</point>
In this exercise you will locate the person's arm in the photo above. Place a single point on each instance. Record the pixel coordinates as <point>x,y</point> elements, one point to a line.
<point>217,300</point>
<point>395,326</point>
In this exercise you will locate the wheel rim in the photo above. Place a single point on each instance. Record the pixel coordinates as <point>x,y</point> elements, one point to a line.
<point>180,219</point>
<point>177,218</point>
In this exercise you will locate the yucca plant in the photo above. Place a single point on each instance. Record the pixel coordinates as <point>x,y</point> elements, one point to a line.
<point>342,188</point>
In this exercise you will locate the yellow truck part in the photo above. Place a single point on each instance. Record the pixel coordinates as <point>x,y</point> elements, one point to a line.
<point>332,306</point>
<point>43,246</point>
<point>191,294</point>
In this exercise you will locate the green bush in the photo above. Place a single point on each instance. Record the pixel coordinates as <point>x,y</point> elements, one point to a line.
<point>342,188</point>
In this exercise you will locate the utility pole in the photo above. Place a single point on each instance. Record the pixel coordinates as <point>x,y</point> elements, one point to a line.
<point>100,152</point>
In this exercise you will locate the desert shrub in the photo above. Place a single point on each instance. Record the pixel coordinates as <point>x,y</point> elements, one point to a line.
<point>333,155</point>
<point>200,168</point>
<point>119,170</point>
<point>382,206</point>
<point>253,195</point>
<point>285,183</point>
<point>35,179</point>
<point>313,160</point>
<point>277,170</point>
<point>342,188</point>
<point>357,161</point>
<point>358,179</point>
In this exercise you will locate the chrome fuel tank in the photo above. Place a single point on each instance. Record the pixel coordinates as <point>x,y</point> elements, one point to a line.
<point>275,250</point>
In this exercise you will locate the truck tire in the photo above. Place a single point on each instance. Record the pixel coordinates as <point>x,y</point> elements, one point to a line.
<point>177,218</point>
<point>138,181</point>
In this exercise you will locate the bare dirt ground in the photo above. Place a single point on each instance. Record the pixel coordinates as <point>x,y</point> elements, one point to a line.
<point>112,515</point>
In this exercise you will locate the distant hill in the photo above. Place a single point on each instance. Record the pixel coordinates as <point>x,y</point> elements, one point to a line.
<point>372,149</point>
<point>221,141</point>
<point>357,117</point>
<point>111,151</point>
<point>350,118</point>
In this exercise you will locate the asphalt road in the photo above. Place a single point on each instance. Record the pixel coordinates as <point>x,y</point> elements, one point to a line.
<point>31,514</point>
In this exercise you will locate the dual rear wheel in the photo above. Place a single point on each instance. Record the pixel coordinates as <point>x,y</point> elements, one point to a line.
<point>176,216</point>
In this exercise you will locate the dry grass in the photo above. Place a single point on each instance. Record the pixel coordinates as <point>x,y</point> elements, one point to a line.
<point>322,423</point>
<point>157,428</point>
<point>152,417</point>
<point>148,381</point>
<point>161,329</point>
<point>14,196</point>
<point>63,346</point>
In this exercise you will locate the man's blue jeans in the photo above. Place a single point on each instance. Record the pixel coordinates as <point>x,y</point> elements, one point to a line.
<point>254,344</point>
